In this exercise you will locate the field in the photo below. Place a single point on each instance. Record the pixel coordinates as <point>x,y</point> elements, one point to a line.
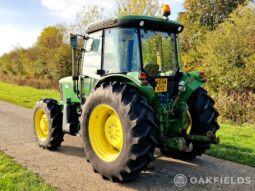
<point>237,144</point>
<point>24,95</point>
<point>236,141</point>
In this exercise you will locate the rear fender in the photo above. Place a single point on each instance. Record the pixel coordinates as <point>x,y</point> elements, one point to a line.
<point>193,80</point>
<point>131,79</point>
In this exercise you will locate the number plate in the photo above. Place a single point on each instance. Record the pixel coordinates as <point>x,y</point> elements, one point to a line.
<point>161,85</point>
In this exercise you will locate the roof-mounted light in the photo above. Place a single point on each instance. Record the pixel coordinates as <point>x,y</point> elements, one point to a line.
<point>166,10</point>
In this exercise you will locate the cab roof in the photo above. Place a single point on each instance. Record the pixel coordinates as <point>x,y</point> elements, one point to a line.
<point>144,22</point>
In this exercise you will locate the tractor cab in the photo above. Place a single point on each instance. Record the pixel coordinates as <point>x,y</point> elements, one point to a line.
<point>145,48</point>
<point>133,44</point>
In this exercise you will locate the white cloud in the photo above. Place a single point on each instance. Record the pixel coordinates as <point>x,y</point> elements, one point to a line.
<point>11,37</point>
<point>69,8</point>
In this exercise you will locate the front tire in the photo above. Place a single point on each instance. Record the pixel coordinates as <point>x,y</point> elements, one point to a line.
<point>48,124</point>
<point>203,118</point>
<point>120,108</point>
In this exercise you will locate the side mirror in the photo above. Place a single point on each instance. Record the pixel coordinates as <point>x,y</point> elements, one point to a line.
<point>73,41</point>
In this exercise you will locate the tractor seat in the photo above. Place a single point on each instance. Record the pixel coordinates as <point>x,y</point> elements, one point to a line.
<point>152,69</point>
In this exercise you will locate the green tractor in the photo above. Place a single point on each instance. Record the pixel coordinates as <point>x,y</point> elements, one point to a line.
<point>127,96</point>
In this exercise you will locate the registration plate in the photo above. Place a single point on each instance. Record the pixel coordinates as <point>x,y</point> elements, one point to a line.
<point>161,85</point>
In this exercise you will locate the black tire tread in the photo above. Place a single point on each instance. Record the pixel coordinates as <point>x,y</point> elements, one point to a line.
<point>142,144</point>
<point>54,113</point>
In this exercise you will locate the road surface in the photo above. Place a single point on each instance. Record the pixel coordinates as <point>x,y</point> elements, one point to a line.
<point>67,169</point>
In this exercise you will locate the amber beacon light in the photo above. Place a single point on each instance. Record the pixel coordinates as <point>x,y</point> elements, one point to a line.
<point>166,10</point>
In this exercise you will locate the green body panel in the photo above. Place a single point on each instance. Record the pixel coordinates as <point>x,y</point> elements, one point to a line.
<point>192,82</point>
<point>66,88</point>
<point>132,79</point>
<point>84,86</point>
<point>172,115</point>
<point>88,84</point>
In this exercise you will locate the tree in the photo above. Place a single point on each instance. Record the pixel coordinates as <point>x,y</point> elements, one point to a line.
<point>201,17</point>
<point>228,53</point>
<point>139,7</point>
<point>51,37</point>
<point>85,16</point>
<point>210,13</point>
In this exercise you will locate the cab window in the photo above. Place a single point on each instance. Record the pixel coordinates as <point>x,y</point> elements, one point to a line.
<point>121,50</point>
<point>92,55</point>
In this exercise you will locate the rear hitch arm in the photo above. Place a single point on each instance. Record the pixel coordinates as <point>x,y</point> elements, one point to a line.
<point>210,137</point>
<point>180,143</point>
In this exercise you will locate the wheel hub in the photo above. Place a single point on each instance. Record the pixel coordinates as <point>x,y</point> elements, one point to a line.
<point>41,125</point>
<point>113,131</point>
<point>106,132</point>
<point>44,124</point>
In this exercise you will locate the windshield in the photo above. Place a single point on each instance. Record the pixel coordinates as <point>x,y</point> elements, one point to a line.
<point>159,54</point>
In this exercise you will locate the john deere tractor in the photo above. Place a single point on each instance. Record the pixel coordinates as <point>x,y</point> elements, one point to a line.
<point>127,96</point>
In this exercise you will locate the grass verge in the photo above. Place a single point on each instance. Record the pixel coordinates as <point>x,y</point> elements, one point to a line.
<point>15,177</point>
<point>236,141</point>
<point>237,144</point>
<point>24,95</point>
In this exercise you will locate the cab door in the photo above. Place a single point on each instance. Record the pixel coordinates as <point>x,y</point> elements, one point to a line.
<point>91,63</point>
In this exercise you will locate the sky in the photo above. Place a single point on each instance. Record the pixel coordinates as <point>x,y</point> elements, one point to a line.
<point>21,21</point>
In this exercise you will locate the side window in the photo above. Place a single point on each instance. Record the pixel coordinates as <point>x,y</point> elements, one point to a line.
<point>121,52</point>
<point>92,56</point>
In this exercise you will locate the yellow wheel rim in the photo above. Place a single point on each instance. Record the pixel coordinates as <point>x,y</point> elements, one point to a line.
<point>189,123</point>
<point>105,132</point>
<point>41,125</point>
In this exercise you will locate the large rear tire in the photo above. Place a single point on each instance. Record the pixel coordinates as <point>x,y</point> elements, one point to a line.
<point>118,131</point>
<point>203,118</point>
<point>48,124</point>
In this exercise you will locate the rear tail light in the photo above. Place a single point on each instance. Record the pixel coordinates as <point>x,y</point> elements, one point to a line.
<point>202,76</point>
<point>142,76</point>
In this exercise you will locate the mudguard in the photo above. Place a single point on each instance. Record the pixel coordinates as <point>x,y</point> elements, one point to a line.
<point>193,80</point>
<point>132,79</point>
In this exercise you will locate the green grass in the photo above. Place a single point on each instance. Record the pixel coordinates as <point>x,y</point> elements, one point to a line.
<point>237,144</point>
<point>24,95</point>
<point>15,177</point>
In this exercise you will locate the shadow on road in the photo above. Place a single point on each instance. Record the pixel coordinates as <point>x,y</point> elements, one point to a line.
<point>159,175</point>
<point>71,151</point>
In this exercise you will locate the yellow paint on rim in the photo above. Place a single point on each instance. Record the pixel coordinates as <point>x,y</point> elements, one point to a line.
<point>105,132</point>
<point>41,125</point>
<point>189,123</point>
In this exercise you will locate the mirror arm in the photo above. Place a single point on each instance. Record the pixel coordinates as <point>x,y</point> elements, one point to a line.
<point>75,68</point>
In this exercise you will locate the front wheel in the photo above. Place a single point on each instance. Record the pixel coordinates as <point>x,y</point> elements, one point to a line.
<point>48,124</point>
<point>202,118</point>
<point>118,131</point>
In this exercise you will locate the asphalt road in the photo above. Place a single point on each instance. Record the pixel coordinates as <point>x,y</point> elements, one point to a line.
<point>67,169</point>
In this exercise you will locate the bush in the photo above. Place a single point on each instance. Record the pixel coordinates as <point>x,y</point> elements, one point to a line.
<point>40,66</point>
<point>238,107</point>
<point>228,58</point>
